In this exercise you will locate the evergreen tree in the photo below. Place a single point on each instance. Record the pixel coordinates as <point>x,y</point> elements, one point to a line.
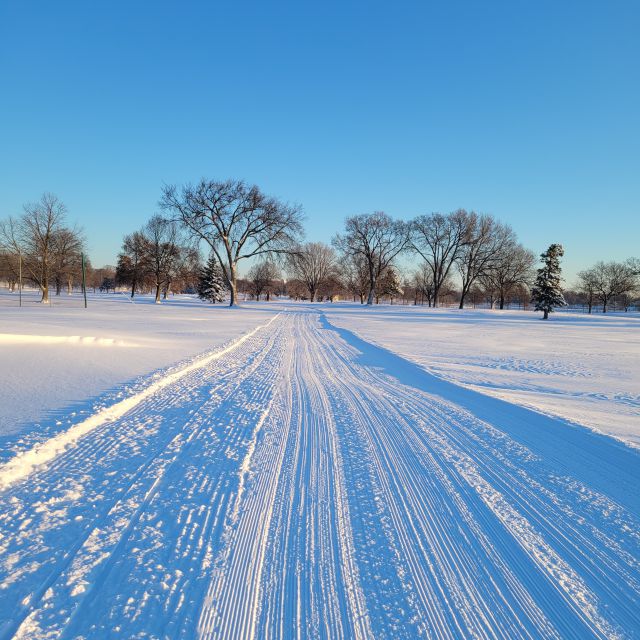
<point>211,285</point>
<point>390,284</point>
<point>547,290</point>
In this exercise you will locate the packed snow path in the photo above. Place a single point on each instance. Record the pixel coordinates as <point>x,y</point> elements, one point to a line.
<point>307,484</point>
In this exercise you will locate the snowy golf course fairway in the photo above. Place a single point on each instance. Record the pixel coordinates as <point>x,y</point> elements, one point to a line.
<point>315,472</point>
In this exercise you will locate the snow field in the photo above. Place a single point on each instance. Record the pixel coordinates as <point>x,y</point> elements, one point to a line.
<point>583,368</point>
<point>309,484</point>
<point>62,358</point>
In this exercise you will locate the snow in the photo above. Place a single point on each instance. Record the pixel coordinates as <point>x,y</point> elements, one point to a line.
<point>22,465</point>
<point>299,480</point>
<point>584,368</point>
<point>55,356</point>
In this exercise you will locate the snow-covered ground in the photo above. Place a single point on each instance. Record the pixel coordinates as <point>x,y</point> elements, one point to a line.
<point>584,368</point>
<point>54,356</point>
<point>300,481</point>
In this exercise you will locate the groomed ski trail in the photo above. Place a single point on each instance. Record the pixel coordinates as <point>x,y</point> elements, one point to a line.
<point>294,487</point>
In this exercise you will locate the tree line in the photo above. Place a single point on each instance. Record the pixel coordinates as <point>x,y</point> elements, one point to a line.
<point>460,256</point>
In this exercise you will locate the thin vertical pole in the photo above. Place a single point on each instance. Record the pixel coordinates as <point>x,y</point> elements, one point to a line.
<point>84,282</point>
<point>20,277</point>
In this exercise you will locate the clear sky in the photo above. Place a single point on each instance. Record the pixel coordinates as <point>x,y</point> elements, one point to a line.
<point>526,110</point>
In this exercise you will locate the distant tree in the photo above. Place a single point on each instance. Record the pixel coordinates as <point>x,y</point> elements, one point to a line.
<point>614,279</point>
<point>377,239</point>
<point>485,239</point>
<point>102,278</point>
<point>390,283</point>
<point>439,239</point>
<point>32,235</point>
<point>546,293</point>
<point>588,286</point>
<point>162,250</point>
<point>211,285</point>
<point>314,264</point>
<point>354,270</point>
<point>511,269</point>
<point>133,267</point>
<point>235,220</point>
<point>188,269</point>
<point>330,287</point>
<point>263,277</point>
<point>296,289</point>
<point>423,283</point>
<point>67,248</point>
<point>9,268</point>
<point>108,284</point>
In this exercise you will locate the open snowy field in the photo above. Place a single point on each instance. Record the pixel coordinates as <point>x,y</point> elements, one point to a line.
<point>54,356</point>
<point>584,368</point>
<point>298,480</point>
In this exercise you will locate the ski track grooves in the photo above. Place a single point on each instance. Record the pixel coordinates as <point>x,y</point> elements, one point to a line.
<point>281,489</point>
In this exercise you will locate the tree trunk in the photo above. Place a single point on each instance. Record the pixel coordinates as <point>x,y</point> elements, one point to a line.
<point>45,290</point>
<point>461,305</point>
<point>233,287</point>
<point>157,293</point>
<point>133,288</point>
<point>361,298</point>
<point>501,302</point>
<point>546,314</point>
<point>372,293</point>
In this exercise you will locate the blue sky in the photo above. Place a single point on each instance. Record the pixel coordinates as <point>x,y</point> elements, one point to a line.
<point>526,110</point>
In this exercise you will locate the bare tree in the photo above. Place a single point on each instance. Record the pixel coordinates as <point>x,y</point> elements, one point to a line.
<point>511,270</point>
<point>423,283</point>
<point>439,239</point>
<point>188,269</point>
<point>103,278</point>
<point>33,235</point>
<point>355,275</point>
<point>133,262</point>
<point>9,268</point>
<point>263,277</point>
<point>330,287</point>
<point>296,289</point>
<point>162,252</point>
<point>67,250</point>
<point>484,242</point>
<point>588,286</point>
<point>235,220</point>
<point>312,263</point>
<point>613,279</point>
<point>377,239</point>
